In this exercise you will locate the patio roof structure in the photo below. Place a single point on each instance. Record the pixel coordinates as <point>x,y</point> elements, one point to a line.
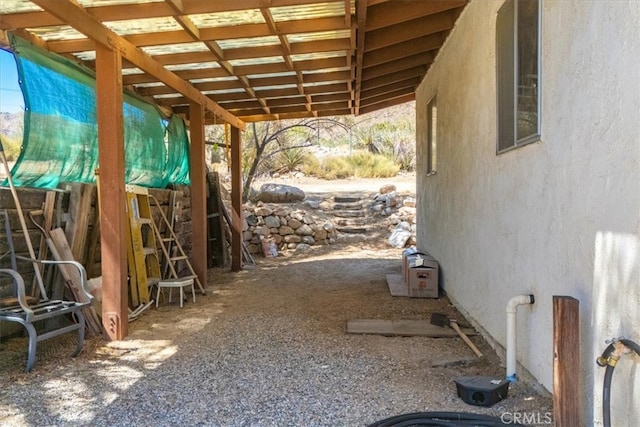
<point>228,61</point>
<point>257,59</point>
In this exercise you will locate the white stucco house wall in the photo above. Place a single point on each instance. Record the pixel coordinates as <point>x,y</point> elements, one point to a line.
<point>558,216</point>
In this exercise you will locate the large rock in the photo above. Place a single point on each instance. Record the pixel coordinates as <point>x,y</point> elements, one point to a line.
<point>280,193</point>
<point>304,230</point>
<point>272,221</point>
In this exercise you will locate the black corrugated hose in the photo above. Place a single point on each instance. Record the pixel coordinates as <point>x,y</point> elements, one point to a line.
<point>609,358</point>
<point>445,419</point>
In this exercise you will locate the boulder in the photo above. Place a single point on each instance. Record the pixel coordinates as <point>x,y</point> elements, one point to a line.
<point>272,221</point>
<point>304,230</point>
<point>262,231</point>
<point>280,193</point>
<point>303,247</point>
<point>292,238</point>
<point>252,220</point>
<point>285,230</point>
<point>262,211</point>
<point>388,188</point>
<point>294,223</point>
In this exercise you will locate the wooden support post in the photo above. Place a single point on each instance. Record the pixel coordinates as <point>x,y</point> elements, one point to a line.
<point>566,362</point>
<point>197,171</point>
<point>113,226</point>
<point>236,200</point>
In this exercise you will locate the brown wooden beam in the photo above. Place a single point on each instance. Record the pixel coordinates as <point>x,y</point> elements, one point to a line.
<point>361,14</point>
<point>421,60</point>
<point>427,31</point>
<point>369,107</point>
<point>566,362</point>
<point>381,92</point>
<point>78,18</point>
<point>198,178</point>
<point>397,12</point>
<point>200,73</point>
<point>236,200</point>
<point>112,204</point>
<point>411,73</point>
<point>382,97</point>
<point>398,52</point>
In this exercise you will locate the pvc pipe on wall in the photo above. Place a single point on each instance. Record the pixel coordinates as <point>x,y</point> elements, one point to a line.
<point>512,308</point>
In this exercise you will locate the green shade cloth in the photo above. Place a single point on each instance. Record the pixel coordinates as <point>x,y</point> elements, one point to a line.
<point>61,132</point>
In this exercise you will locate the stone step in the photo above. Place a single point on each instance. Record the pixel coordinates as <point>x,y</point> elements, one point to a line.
<point>354,206</point>
<point>349,213</point>
<point>353,230</point>
<point>350,222</point>
<point>345,199</point>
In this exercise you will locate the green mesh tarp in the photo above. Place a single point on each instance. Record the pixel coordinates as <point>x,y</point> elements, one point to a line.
<point>61,134</point>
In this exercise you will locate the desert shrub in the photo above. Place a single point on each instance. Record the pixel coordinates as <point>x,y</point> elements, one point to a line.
<point>361,164</point>
<point>311,166</point>
<point>290,160</point>
<point>331,167</point>
<point>369,165</point>
<point>11,147</point>
<point>394,140</point>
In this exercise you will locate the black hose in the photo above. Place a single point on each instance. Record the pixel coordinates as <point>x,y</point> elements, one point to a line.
<point>606,396</point>
<point>603,360</point>
<point>437,419</point>
<point>632,345</point>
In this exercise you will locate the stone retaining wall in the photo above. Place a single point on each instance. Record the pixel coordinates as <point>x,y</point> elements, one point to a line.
<point>288,228</point>
<point>267,225</point>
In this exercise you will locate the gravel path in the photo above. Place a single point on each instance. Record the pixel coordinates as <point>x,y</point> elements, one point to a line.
<point>265,347</point>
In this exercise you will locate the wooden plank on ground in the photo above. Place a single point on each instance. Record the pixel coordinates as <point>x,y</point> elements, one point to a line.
<point>397,285</point>
<point>403,328</point>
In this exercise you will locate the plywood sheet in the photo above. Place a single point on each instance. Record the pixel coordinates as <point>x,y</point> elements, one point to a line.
<point>405,328</point>
<point>397,285</point>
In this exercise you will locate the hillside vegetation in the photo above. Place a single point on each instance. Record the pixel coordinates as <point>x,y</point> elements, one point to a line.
<point>379,144</point>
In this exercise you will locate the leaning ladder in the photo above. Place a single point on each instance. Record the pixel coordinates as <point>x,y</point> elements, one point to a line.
<point>167,244</point>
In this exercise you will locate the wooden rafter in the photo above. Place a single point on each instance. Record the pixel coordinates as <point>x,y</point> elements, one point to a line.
<point>361,15</point>
<point>86,24</point>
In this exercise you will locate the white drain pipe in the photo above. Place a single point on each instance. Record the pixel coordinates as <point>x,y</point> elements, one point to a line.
<point>512,308</point>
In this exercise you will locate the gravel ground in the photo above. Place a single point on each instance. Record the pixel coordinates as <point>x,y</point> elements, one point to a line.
<point>265,347</point>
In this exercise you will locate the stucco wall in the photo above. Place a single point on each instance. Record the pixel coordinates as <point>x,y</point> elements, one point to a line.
<point>557,217</point>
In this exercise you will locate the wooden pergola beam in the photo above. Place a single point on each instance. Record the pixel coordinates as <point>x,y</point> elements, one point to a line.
<point>78,18</point>
<point>361,16</point>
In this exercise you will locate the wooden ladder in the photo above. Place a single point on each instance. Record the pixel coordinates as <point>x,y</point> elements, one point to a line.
<point>142,250</point>
<point>172,249</point>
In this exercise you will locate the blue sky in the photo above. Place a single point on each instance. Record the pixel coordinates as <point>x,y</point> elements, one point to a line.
<point>10,95</point>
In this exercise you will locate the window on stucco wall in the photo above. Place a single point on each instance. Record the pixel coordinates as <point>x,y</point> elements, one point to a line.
<point>518,72</point>
<point>432,131</point>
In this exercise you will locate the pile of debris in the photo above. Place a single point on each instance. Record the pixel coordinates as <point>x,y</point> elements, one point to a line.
<point>401,213</point>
